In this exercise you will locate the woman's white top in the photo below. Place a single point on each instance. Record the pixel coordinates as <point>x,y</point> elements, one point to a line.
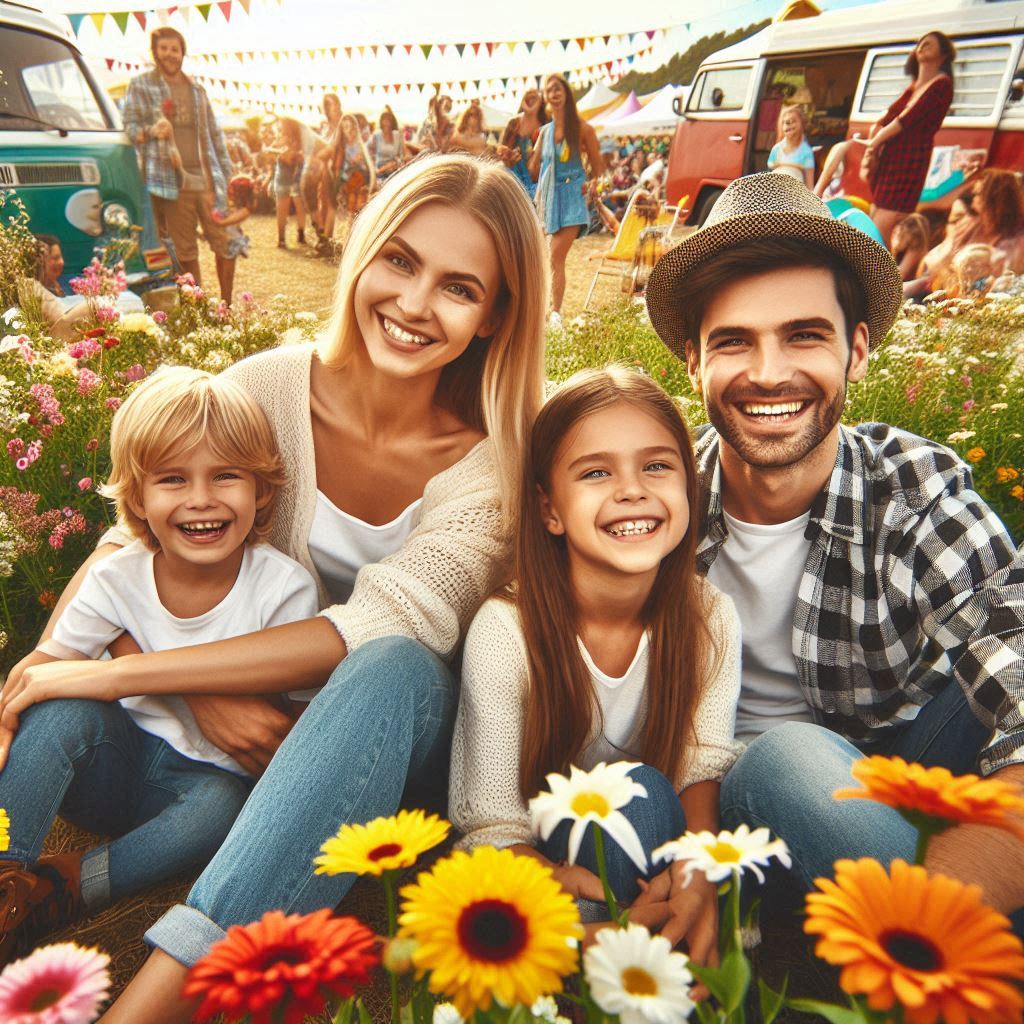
<point>119,595</point>
<point>340,544</point>
<point>483,800</point>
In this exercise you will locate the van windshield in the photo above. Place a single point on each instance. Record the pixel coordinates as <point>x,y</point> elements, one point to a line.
<point>43,84</point>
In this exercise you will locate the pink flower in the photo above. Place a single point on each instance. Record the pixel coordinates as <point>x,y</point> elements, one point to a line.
<point>911,393</point>
<point>68,511</point>
<point>247,297</point>
<point>75,524</point>
<point>85,483</point>
<point>113,404</point>
<point>15,447</point>
<point>22,464</point>
<point>160,316</point>
<point>34,450</point>
<point>969,405</point>
<point>61,984</point>
<point>88,381</point>
<point>134,373</point>
<point>966,380</point>
<point>92,445</point>
<point>84,349</point>
<point>107,314</point>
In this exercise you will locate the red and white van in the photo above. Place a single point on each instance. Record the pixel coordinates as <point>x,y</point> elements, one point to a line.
<point>847,67</point>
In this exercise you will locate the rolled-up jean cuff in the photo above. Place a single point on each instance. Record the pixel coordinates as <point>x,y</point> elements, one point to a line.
<point>184,933</point>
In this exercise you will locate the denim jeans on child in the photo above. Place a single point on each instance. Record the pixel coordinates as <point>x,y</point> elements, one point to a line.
<point>786,777</point>
<point>89,762</point>
<point>657,819</point>
<point>376,737</point>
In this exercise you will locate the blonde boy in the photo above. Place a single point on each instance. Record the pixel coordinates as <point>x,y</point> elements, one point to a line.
<point>195,474</point>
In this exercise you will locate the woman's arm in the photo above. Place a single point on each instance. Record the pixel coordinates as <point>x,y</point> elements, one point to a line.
<point>590,144</point>
<point>533,164</point>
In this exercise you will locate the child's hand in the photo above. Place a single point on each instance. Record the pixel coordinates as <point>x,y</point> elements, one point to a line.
<point>694,917</point>
<point>579,882</point>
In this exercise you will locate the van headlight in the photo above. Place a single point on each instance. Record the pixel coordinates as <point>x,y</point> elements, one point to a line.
<point>115,216</point>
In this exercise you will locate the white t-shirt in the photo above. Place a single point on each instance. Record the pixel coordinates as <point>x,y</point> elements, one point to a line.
<point>119,595</point>
<point>340,544</point>
<point>760,567</point>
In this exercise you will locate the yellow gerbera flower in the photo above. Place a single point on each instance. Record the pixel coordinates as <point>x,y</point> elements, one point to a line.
<point>937,794</point>
<point>383,844</point>
<point>491,925</point>
<point>5,835</point>
<point>927,943</point>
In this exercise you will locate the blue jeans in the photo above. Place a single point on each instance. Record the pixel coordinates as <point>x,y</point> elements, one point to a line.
<point>89,762</point>
<point>376,736</point>
<point>657,819</point>
<point>786,777</point>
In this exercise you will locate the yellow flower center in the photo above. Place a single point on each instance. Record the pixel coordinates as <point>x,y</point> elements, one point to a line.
<point>586,803</point>
<point>725,853</point>
<point>637,982</point>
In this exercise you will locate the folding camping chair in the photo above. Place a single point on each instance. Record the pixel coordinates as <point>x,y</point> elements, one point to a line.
<point>619,261</point>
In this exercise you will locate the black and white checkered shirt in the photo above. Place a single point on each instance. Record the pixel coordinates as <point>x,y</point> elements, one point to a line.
<point>911,580</point>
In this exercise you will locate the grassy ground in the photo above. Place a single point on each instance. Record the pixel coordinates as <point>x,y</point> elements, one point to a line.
<point>309,282</point>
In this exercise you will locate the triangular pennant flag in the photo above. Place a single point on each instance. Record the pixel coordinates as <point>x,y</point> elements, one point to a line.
<point>348,52</point>
<point>490,48</point>
<point>245,5</point>
<point>580,42</point>
<point>223,82</point>
<point>204,11</point>
<point>652,33</point>
<point>529,46</point>
<point>225,9</point>
<point>110,63</point>
<point>76,22</point>
<point>408,48</point>
<point>140,17</point>
<point>476,49</point>
<point>373,50</point>
<point>565,43</point>
<point>361,50</point>
<point>460,48</point>
<point>605,39</point>
<point>97,20</point>
<point>504,83</point>
<point>186,12</point>
<point>390,48</point>
<point>426,48</point>
<point>441,47</point>
<point>334,52</point>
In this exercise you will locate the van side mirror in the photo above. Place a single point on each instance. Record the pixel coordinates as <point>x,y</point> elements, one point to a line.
<point>677,106</point>
<point>717,97</point>
<point>1016,90</point>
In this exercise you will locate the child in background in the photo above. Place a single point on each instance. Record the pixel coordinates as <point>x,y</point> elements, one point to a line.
<point>911,240</point>
<point>195,474</point>
<point>792,154</point>
<point>609,648</point>
<point>242,200</point>
<point>976,269</point>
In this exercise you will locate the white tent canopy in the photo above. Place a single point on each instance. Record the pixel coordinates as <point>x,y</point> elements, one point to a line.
<point>655,117</point>
<point>596,96</point>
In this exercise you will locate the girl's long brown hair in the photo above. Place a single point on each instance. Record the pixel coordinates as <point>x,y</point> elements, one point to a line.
<point>562,706</point>
<point>571,122</point>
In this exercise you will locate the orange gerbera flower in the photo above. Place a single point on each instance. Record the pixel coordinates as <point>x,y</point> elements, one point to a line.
<point>929,796</point>
<point>927,943</point>
<point>279,969</point>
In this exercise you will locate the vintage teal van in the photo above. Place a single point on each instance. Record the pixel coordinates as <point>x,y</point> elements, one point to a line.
<point>62,147</point>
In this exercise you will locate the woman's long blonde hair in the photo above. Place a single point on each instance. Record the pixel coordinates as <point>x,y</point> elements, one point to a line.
<point>496,385</point>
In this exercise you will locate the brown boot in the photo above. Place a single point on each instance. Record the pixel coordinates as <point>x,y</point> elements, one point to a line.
<point>37,901</point>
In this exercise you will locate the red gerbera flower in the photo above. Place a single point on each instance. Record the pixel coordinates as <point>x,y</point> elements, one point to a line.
<point>167,106</point>
<point>281,962</point>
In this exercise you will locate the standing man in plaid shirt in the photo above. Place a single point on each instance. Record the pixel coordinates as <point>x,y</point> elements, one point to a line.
<point>882,602</point>
<point>184,158</point>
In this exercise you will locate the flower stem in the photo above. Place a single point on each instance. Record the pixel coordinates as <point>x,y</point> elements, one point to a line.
<point>602,868</point>
<point>388,881</point>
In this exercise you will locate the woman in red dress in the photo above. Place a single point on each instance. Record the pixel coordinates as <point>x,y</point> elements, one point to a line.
<point>897,157</point>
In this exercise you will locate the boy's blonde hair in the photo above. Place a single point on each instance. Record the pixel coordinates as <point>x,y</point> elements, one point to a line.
<point>496,385</point>
<point>173,411</point>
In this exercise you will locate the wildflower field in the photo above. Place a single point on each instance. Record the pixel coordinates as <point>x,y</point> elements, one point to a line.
<point>953,372</point>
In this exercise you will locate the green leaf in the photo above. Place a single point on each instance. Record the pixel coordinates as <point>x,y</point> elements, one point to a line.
<point>771,1001</point>
<point>344,1014</point>
<point>832,1013</point>
<point>736,972</point>
<point>519,1015</point>
<point>714,978</point>
<point>364,1015</point>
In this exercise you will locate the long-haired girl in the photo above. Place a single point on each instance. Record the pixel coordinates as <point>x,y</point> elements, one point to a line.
<point>517,141</point>
<point>610,648</point>
<point>792,153</point>
<point>557,166</point>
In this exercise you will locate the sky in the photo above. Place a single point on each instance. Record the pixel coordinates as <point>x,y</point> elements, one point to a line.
<point>639,37</point>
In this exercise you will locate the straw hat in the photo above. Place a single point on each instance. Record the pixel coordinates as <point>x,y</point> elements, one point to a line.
<point>762,206</point>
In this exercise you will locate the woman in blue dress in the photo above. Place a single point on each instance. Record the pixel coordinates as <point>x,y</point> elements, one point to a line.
<point>517,141</point>
<point>562,185</point>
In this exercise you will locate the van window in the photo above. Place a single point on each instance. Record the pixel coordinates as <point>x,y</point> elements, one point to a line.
<point>41,79</point>
<point>977,79</point>
<point>722,89</point>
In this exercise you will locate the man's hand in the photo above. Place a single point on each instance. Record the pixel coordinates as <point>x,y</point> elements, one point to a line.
<point>985,856</point>
<point>249,729</point>
<point>162,129</point>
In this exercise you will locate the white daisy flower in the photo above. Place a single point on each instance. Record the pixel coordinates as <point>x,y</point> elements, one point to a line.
<point>546,1009</point>
<point>637,976</point>
<point>445,1013</point>
<point>586,797</point>
<point>718,856</point>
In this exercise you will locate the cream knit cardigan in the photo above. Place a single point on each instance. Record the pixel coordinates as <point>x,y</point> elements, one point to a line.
<point>483,794</point>
<point>430,588</point>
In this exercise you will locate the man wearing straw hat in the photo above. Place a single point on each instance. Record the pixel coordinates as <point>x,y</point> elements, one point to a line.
<point>882,601</point>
